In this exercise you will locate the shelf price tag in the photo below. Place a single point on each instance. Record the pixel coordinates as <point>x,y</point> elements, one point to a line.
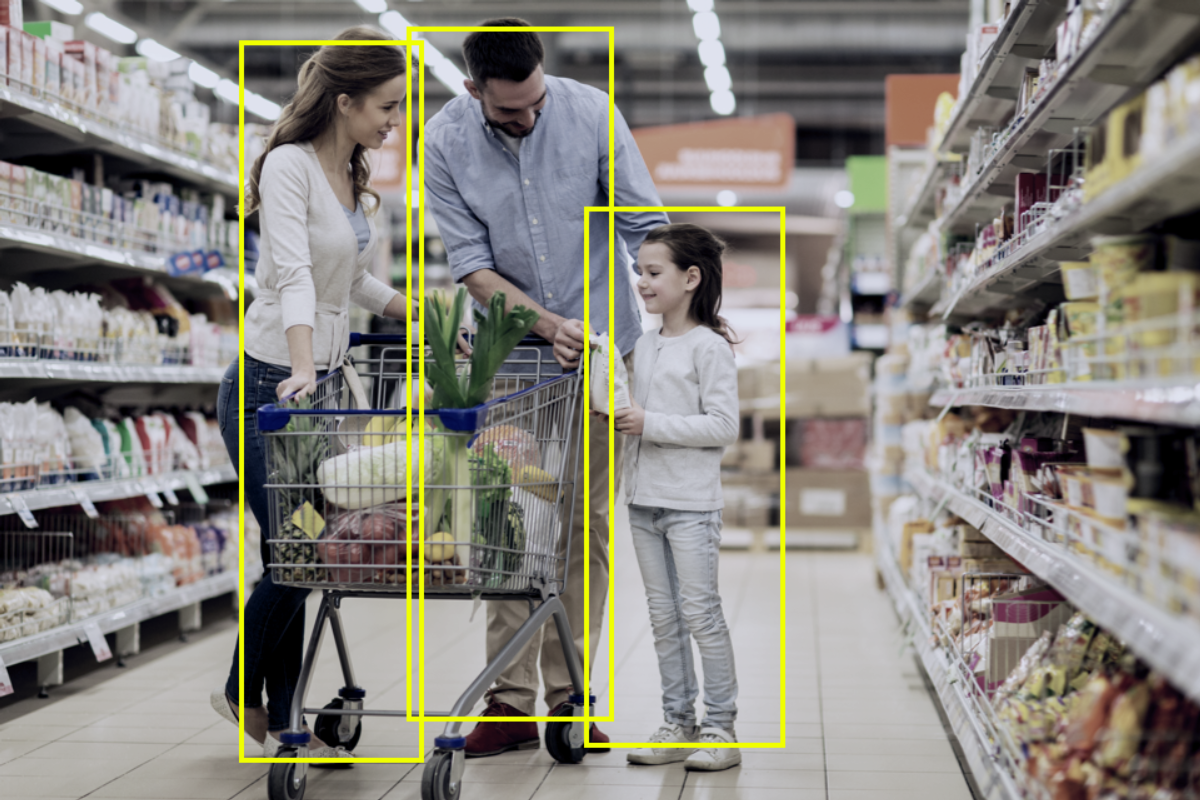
<point>85,502</point>
<point>97,641</point>
<point>17,503</point>
<point>193,485</point>
<point>6,686</point>
<point>169,493</point>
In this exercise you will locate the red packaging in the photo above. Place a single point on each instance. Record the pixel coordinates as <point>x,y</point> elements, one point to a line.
<point>1031,189</point>
<point>11,14</point>
<point>833,443</point>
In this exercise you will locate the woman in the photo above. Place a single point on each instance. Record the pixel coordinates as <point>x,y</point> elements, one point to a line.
<point>312,189</point>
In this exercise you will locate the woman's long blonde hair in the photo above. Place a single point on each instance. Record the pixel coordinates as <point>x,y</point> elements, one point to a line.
<point>332,71</point>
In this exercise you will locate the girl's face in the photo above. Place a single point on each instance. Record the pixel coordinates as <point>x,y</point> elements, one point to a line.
<point>663,285</point>
<point>371,120</point>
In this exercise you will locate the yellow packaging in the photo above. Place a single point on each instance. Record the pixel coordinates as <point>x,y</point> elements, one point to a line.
<point>1154,296</point>
<point>1125,138</point>
<point>1118,259</point>
<point>1079,320</point>
<point>1081,280</point>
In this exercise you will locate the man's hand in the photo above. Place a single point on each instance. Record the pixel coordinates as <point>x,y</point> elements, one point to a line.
<point>569,341</point>
<point>631,421</point>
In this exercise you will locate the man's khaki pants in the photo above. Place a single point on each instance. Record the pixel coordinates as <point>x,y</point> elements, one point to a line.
<point>518,684</point>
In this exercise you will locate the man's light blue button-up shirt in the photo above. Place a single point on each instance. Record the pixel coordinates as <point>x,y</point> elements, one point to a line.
<point>523,217</point>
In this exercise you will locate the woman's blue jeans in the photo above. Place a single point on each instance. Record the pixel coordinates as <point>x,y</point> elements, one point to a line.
<point>274,615</point>
<point>678,552</point>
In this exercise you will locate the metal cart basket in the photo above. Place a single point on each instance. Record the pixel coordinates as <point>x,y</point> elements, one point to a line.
<point>499,476</point>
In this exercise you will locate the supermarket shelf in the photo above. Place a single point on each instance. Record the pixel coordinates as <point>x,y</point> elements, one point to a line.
<point>74,132</point>
<point>1144,36</point>
<point>62,637</point>
<point>102,491</point>
<point>920,208</point>
<point>993,780</point>
<point>109,373</point>
<point>42,249</point>
<point>1027,35</point>
<point>926,292</point>
<point>1165,402</point>
<point>870,283</point>
<point>1160,189</point>
<point>1167,642</point>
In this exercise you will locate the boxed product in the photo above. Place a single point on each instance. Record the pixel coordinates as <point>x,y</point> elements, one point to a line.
<point>26,47</point>
<point>833,443</point>
<point>51,29</point>
<point>1031,189</point>
<point>11,14</point>
<point>828,498</point>
<point>37,62</point>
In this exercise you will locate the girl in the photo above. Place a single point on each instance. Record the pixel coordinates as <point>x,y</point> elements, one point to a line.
<point>683,416</point>
<point>312,187</point>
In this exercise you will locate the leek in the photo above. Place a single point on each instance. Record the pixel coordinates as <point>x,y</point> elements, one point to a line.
<point>497,333</point>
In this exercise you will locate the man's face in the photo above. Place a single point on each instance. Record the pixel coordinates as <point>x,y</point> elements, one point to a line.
<point>510,106</point>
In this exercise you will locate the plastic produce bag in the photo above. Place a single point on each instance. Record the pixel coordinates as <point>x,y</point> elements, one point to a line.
<point>367,546</point>
<point>598,361</point>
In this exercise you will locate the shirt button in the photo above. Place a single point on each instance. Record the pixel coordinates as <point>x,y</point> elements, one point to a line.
<point>549,295</point>
<point>535,220</point>
<point>543,258</point>
<point>527,181</point>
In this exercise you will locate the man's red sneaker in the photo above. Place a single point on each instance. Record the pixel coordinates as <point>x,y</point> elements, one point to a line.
<point>596,737</point>
<point>494,738</point>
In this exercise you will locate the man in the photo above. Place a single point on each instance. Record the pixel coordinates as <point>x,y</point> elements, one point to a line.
<point>509,168</point>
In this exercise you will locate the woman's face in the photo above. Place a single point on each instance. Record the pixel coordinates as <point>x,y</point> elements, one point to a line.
<point>371,120</point>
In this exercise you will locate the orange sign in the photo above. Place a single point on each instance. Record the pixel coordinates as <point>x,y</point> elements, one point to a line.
<point>745,152</point>
<point>387,164</point>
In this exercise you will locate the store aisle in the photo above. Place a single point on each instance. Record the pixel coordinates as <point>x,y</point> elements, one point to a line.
<point>860,725</point>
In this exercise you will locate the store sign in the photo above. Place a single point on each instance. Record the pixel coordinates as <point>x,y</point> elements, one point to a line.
<point>387,164</point>
<point>747,152</point>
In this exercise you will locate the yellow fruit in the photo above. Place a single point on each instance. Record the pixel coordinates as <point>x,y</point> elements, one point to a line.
<point>307,519</point>
<point>439,548</point>
<point>383,430</point>
<point>539,482</point>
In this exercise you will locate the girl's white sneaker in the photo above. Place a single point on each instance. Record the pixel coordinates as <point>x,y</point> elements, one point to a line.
<point>714,759</point>
<point>668,733</point>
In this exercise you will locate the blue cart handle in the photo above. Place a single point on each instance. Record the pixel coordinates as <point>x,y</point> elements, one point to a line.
<point>357,339</point>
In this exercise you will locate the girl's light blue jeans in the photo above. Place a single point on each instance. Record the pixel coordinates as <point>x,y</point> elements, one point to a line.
<point>678,553</point>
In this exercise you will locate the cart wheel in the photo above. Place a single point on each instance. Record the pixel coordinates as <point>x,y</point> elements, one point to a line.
<point>435,780</point>
<point>558,739</point>
<point>286,781</point>
<point>327,728</point>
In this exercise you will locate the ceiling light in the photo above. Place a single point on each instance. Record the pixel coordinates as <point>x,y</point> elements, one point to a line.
<point>227,90</point>
<point>373,6</point>
<point>257,104</point>
<point>65,6</point>
<point>718,79</point>
<point>707,26</point>
<point>723,102</point>
<point>725,197</point>
<point>712,53</point>
<point>107,26</point>
<point>394,22</point>
<point>844,198</point>
<point>202,75</point>
<point>155,51</point>
<point>700,5</point>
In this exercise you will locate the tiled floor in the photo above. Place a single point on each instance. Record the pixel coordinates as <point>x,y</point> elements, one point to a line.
<point>859,726</point>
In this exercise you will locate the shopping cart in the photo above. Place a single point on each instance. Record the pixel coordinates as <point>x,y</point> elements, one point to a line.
<point>339,522</point>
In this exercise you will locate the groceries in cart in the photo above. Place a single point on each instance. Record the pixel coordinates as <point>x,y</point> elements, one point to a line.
<point>340,477</point>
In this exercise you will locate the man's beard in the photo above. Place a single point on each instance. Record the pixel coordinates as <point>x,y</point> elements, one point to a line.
<point>504,127</point>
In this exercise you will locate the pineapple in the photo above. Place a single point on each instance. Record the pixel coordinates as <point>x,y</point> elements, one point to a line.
<point>293,462</point>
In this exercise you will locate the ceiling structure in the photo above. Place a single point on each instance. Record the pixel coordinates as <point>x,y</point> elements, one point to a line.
<point>822,61</point>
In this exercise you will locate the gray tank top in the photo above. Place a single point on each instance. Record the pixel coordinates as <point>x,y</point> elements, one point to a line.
<point>358,221</point>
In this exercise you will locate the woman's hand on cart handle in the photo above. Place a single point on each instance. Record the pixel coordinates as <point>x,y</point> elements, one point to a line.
<point>300,384</point>
<point>464,347</point>
<point>569,341</point>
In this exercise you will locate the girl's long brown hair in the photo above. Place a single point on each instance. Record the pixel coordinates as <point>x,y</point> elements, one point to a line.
<point>332,71</point>
<point>695,246</point>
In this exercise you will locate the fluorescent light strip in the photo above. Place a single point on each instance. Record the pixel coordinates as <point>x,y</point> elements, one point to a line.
<point>155,51</point>
<point>445,70</point>
<point>107,26</point>
<point>71,7</point>
<point>707,27</point>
